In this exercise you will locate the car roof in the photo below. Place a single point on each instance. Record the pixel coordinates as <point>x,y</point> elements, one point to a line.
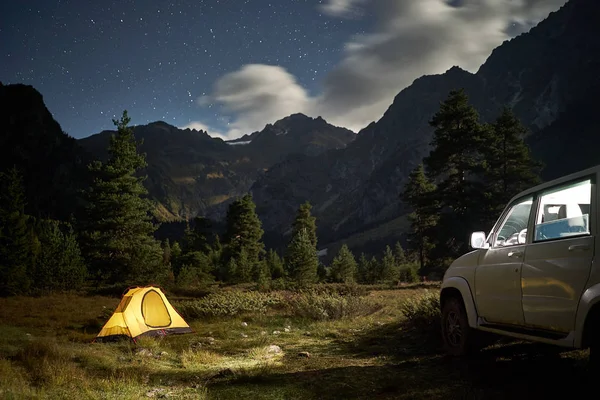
<point>566,178</point>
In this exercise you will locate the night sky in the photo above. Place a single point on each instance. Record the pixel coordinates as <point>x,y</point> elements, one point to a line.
<point>232,66</point>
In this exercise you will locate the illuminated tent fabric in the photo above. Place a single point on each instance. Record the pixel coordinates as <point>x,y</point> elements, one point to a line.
<point>143,311</point>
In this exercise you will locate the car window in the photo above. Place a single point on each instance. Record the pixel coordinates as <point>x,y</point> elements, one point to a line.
<point>564,212</point>
<point>513,230</point>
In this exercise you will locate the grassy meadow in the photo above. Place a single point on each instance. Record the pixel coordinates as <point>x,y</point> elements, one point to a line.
<point>320,344</point>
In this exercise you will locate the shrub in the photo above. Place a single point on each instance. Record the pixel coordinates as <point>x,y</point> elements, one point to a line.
<point>342,289</point>
<point>408,273</point>
<point>330,306</point>
<point>228,303</point>
<point>422,312</point>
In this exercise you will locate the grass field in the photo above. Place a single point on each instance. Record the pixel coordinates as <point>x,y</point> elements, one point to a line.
<point>46,352</point>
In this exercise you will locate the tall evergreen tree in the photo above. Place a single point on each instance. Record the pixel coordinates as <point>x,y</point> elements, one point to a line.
<point>231,274</point>
<point>363,269</point>
<point>510,166</point>
<point>343,267</point>
<point>245,267</point>
<point>399,254</point>
<point>176,254</point>
<point>275,264</point>
<point>301,259</point>
<point>389,269</point>
<point>305,220</point>
<point>216,257</point>
<point>375,271</point>
<point>166,246</point>
<point>456,164</point>
<point>118,240</point>
<point>15,244</point>
<point>59,264</point>
<point>244,231</point>
<point>196,236</point>
<point>419,194</point>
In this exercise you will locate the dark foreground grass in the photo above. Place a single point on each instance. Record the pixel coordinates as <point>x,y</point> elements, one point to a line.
<point>45,352</point>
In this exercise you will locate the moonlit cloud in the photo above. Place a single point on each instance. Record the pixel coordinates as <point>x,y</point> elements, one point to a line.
<point>413,38</point>
<point>341,8</point>
<point>258,94</point>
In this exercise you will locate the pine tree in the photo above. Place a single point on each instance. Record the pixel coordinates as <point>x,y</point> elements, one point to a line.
<point>117,238</point>
<point>343,267</point>
<point>304,220</point>
<point>176,254</point>
<point>510,166</point>
<point>275,264</point>
<point>196,237</point>
<point>375,272</point>
<point>216,256</point>
<point>59,264</point>
<point>263,274</point>
<point>389,269</point>
<point>301,259</point>
<point>363,269</point>
<point>244,231</point>
<point>15,243</point>
<point>196,270</point>
<point>399,254</point>
<point>231,270</point>
<point>419,195</point>
<point>245,267</point>
<point>166,247</point>
<point>456,164</point>
<point>408,273</point>
<point>322,272</point>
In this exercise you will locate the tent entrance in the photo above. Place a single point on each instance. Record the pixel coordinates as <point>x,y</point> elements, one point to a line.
<point>155,311</point>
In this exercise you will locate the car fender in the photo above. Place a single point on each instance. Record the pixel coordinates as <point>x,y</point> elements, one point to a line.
<point>588,300</point>
<point>463,287</point>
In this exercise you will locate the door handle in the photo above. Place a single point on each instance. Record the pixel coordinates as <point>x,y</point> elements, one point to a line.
<point>516,254</point>
<point>575,247</point>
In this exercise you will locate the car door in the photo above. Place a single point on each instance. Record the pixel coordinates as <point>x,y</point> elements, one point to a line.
<point>498,274</point>
<point>557,263</point>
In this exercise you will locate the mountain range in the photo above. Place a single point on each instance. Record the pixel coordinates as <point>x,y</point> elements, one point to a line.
<point>548,76</point>
<point>190,173</point>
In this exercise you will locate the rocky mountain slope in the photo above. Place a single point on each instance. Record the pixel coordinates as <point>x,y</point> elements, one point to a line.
<point>50,161</point>
<point>191,173</point>
<point>544,75</point>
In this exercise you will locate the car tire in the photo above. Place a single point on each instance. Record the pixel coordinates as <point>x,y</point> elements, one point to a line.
<point>458,337</point>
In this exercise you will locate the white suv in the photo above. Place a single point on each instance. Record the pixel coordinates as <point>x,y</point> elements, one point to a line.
<point>534,276</point>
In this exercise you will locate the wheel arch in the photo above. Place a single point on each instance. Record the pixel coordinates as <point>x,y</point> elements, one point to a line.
<point>588,317</point>
<point>457,287</point>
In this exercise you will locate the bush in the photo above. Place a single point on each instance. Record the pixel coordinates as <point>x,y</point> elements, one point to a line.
<point>342,289</point>
<point>408,273</point>
<point>330,306</point>
<point>422,312</point>
<point>228,303</point>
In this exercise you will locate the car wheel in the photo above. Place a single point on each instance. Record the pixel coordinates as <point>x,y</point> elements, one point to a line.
<point>456,333</point>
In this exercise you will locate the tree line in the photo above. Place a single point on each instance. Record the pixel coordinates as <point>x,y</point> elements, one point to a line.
<point>470,173</point>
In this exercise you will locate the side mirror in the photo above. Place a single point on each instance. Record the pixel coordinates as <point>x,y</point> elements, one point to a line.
<point>478,240</point>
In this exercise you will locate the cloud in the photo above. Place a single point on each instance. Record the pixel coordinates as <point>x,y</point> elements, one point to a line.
<point>341,8</point>
<point>415,38</point>
<point>258,94</point>
<point>199,126</point>
<point>412,38</point>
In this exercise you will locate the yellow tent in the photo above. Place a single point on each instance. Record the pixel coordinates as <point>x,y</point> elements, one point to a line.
<point>143,311</point>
